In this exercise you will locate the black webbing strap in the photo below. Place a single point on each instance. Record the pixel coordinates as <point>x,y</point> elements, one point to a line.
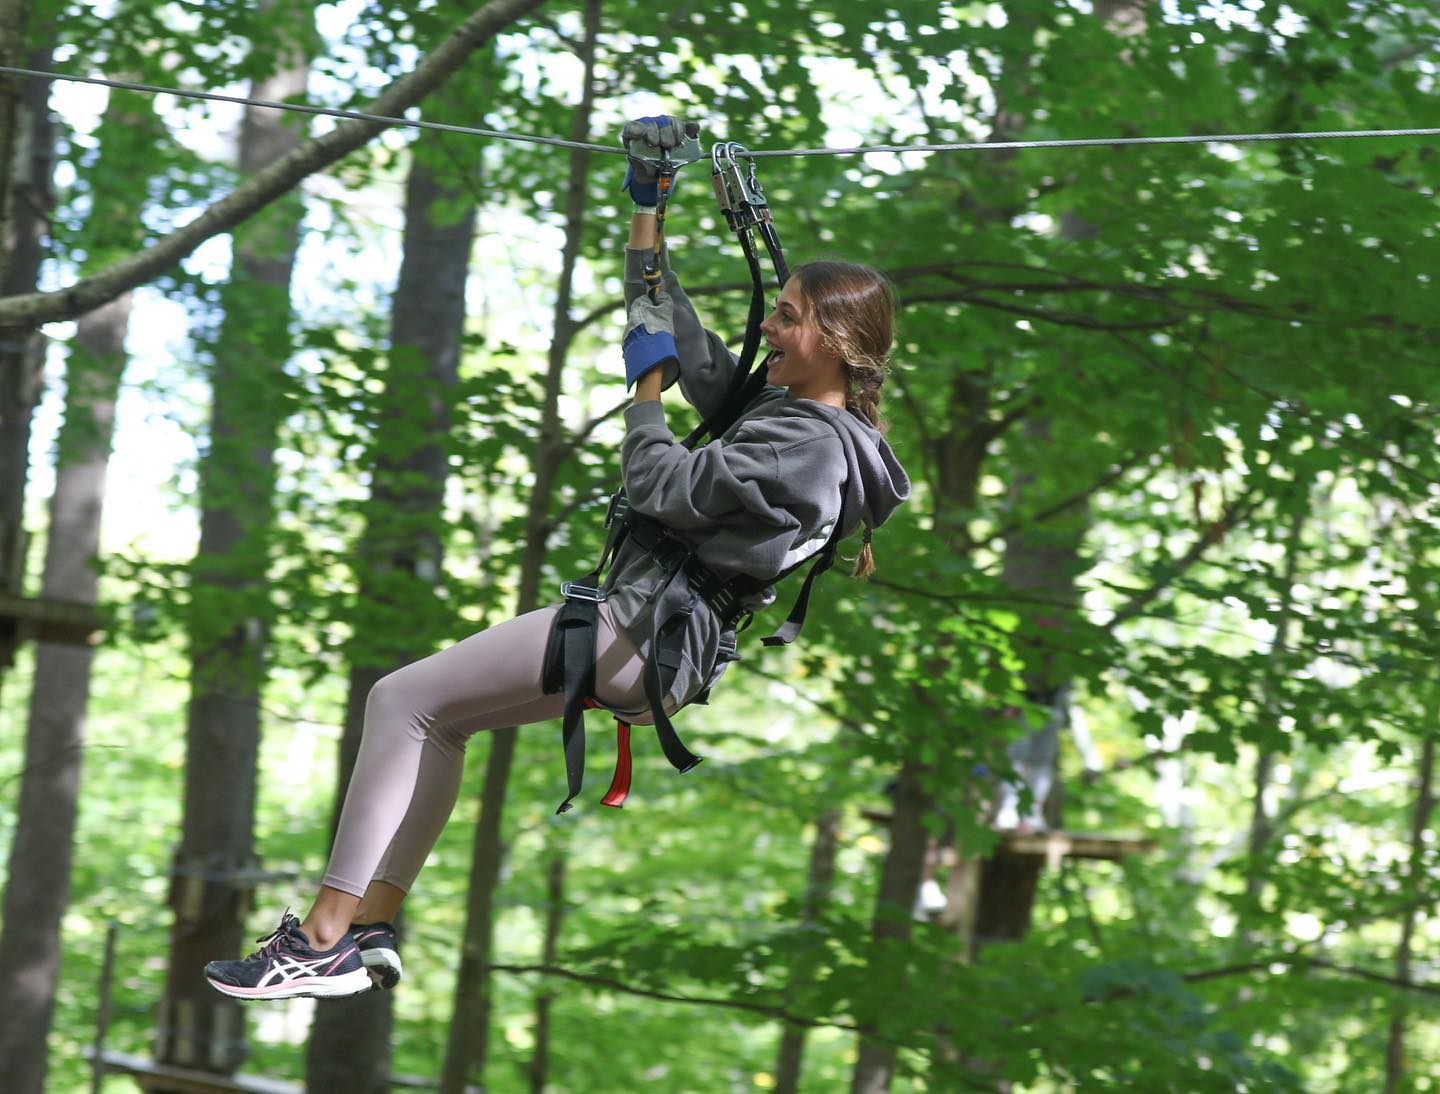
<point>744,378</point>
<point>570,667</point>
<point>666,641</point>
<point>790,629</point>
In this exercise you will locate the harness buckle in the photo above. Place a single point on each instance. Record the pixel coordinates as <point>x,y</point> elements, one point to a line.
<point>580,590</point>
<point>618,509</point>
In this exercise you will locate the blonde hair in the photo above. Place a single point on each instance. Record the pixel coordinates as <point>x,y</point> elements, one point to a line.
<point>854,309</point>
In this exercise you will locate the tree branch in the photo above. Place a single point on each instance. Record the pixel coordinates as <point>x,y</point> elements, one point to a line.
<point>278,178</point>
<point>1303,962</point>
<point>1234,513</point>
<point>776,1013</point>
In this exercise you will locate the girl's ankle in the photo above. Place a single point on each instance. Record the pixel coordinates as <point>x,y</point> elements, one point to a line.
<point>320,940</point>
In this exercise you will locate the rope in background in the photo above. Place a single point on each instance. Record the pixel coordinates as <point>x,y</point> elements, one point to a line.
<point>859,150</point>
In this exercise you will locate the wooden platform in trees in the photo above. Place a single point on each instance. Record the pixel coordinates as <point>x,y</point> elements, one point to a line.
<point>1051,846</point>
<point>68,622</point>
<point>1054,846</point>
<point>150,1075</point>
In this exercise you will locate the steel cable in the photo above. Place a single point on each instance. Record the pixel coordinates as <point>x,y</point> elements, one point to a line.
<point>759,153</point>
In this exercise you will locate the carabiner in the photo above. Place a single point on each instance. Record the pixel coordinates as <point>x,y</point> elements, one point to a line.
<point>743,202</point>
<point>741,197</point>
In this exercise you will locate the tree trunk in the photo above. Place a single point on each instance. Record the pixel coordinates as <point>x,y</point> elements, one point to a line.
<point>817,894</point>
<point>39,878</point>
<point>468,1044</point>
<point>960,448</point>
<point>1414,878</point>
<point>899,881</point>
<point>14,104</point>
<point>401,554</point>
<point>554,918</point>
<point>213,873</point>
<point>1260,821</point>
<point>27,161</point>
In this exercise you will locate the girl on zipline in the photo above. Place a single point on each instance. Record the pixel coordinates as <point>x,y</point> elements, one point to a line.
<point>805,455</point>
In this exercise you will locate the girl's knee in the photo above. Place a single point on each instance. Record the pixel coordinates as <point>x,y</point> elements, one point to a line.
<point>390,702</point>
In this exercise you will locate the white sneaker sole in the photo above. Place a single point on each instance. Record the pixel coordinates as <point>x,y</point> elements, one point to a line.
<point>383,967</point>
<point>315,987</point>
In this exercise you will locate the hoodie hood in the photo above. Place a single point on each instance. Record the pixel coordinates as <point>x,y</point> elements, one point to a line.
<point>876,484</point>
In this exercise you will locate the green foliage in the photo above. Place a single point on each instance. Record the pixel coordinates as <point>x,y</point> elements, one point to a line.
<point>1230,348</point>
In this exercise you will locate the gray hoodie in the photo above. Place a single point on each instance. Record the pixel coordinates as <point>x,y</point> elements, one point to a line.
<point>759,499</point>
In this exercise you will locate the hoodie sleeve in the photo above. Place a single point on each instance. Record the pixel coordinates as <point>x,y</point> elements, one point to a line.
<point>706,363</point>
<point>748,502</point>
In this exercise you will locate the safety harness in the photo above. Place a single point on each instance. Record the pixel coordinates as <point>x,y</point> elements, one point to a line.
<point>569,664</point>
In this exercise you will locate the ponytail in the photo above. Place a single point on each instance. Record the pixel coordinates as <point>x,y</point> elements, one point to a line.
<point>855,308</point>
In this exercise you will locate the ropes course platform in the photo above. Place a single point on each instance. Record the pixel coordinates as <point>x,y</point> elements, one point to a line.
<point>1051,846</point>
<point>1054,846</point>
<point>152,1076</point>
<point>149,1075</point>
<point>43,619</point>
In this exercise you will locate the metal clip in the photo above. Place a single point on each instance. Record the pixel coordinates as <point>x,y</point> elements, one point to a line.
<point>618,509</point>
<point>578,590</point>
<point>738,190</point>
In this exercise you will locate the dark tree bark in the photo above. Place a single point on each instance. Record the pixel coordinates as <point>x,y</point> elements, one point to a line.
<point>14,25</point>
<point>1415,871</point>
<point>27,161</point>
<point>958,448</point>
<point>1261,823</point>
<point>39,878</point>
<point>468,1044</point>
<point>554,919</point>
<point>1041,564</point>
<point>400,556</point>
<point>215,865</point>
<point>818,882</point>
<point>899,881</point>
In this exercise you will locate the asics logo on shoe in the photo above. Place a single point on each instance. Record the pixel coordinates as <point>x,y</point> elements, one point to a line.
<point>285,968</point>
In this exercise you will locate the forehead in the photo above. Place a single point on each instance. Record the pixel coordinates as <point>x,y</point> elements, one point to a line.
<point>791,295</point>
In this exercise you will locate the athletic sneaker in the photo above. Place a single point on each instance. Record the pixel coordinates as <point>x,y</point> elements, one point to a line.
<point>379,951</point>
<point>286,967</point>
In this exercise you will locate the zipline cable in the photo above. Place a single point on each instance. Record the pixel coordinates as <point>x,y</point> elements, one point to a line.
<point>302,108</point>
<point>760,153</point>
<point>1092,142</point>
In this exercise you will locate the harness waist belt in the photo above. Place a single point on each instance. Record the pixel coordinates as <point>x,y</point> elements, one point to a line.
<point>722,593</point>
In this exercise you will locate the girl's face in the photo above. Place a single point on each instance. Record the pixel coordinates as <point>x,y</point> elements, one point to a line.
<point>800,361</point>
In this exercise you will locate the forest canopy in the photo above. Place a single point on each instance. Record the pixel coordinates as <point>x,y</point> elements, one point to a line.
<point>1119,771</point>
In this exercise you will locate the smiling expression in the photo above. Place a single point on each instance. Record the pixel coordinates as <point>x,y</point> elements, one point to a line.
<point>800,361</point>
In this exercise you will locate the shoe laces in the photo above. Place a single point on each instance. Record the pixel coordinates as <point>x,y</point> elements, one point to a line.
<point>271,942</point>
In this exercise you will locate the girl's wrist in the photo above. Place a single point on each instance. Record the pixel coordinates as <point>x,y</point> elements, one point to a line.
<point>649,386</point>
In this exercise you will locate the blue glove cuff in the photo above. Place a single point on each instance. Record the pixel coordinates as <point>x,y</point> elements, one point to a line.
<point>644,349</point>
<point>643,193</point>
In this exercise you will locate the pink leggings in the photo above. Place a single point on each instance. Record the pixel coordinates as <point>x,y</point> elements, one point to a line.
<point>417,719</point>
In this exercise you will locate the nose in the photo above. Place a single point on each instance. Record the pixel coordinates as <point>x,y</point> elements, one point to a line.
<point>767,328</point>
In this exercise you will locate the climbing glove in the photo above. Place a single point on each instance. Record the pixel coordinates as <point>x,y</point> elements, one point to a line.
<point>660,131</point>
<point>649,337</point>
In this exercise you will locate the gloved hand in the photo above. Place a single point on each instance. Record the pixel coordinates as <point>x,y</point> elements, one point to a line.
<point>660,131</point>
<point>650,337</point>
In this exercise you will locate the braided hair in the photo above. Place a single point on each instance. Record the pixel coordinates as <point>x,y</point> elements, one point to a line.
<point>854,308</point>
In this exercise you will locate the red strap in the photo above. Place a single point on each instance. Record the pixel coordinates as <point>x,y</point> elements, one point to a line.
<point>620,784</point>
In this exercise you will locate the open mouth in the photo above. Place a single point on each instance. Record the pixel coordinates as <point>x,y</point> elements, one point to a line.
<point>774,355</point>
